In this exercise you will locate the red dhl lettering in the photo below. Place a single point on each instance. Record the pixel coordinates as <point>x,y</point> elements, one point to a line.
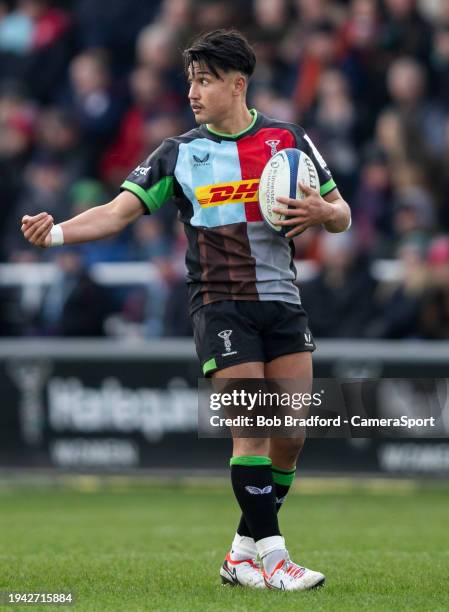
<point>227,193</point>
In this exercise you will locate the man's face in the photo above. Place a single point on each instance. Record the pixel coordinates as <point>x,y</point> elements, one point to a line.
<point>211,97</point>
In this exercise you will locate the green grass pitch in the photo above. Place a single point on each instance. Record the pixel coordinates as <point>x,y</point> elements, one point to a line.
<point>144,546</point>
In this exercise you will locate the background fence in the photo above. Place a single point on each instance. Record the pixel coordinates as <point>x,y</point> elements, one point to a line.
<point>111,406</point>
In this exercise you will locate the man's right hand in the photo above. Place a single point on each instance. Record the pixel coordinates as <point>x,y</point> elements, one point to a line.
<point>37,229</point>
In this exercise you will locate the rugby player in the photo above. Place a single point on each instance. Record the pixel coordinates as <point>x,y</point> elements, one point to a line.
<point>241,275</point>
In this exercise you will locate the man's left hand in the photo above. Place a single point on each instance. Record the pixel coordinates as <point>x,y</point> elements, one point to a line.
<point>312,210</point>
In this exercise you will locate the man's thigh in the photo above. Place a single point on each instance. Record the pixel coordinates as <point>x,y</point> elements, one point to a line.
<point>296,366</point>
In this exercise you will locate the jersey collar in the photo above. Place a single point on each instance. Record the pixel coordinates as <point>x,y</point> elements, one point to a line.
<point>225,136</point>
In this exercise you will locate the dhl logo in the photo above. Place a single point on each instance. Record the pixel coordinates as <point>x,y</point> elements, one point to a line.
<point>227,193</point>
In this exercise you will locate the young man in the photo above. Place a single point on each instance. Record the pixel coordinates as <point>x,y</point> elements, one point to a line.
<point>240,275</point>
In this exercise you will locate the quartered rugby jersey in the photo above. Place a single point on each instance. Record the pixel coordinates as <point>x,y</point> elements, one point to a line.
<point>213,178</point>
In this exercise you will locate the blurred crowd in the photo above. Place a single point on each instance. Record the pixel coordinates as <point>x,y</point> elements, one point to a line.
<point>88,89</point>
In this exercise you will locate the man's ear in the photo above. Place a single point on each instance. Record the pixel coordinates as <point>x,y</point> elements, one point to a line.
<point>240,84</point>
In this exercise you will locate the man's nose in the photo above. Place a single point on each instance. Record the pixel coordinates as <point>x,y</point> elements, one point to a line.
<point>193,92</point>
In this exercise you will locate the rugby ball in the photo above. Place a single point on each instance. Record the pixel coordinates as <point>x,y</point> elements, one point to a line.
<point>280,178</point>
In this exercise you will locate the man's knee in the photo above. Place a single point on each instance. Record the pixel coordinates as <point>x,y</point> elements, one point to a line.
<point>285,451</point>
<point>251,446</point>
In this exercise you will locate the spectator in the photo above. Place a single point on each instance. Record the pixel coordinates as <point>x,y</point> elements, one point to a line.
<point>363,64</point>
<point>58,135</point>
<point>35,46</point>
<point>435,309</point>
<point>93,101</point>
<point>334,121</point>
<point>213,14</point>
<point>87,93</point>
<point>404,31</point>
<point>400,306</point>
<point>407,87</point>
<point>340,300</point>
<point>319,54</point>
<point>45,187</point>
<point>74,304</point>
<point>372,202</point>
<point>157,50</point>
<point>441,183</point>
<point>129,147</point>
<point>413,214</point>
<point>114,26</point>
<point>151,243</point>
<point>177,15</point>
<point>440,63</point>
<point>84,194</point>
<point>17,119</point>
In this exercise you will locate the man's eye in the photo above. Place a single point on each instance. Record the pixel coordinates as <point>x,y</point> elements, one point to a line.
<point>204,81</point>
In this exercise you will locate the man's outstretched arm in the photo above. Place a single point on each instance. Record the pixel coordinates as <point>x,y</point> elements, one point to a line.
<point>93,224</point>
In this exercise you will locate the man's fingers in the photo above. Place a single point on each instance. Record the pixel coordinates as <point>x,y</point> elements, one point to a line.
<point>288,222</point>
<point>30,231</point>
<point>31,224</point>
<point>31,219</point>
<point>306,189</point>
<point>290,212</point>
<point>37,230</point>
<point>289,201</point>
<point>43,230</point>
<point>297,230</point>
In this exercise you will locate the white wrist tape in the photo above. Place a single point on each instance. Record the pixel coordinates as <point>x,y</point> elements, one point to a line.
<point>56,236</point>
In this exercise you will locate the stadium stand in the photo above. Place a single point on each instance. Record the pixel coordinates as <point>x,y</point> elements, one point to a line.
<point>86,93</point>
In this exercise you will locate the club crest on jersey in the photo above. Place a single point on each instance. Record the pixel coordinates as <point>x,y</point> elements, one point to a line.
<point>273,146</point>
<point>200,161</point>
<point>227,193</point>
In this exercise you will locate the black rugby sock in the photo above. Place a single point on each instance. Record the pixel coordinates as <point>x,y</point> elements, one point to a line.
<point>253,485</point>
<point>283,479</point>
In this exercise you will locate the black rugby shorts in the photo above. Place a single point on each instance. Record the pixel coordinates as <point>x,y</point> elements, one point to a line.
<point>236,331</point>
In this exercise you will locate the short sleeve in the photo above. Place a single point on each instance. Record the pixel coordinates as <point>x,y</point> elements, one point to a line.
<point>327,183</point>
<point>153,181</point>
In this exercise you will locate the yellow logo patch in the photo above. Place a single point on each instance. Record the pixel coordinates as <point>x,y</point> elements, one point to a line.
<point>227,193</point>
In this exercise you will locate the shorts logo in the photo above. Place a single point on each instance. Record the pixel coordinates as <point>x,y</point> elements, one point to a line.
<point>273,146</point>
<point>308,339</point>
<point>258,491</point>
<point>142,171</point>
<point>226,334</point>
<point>234,192</point>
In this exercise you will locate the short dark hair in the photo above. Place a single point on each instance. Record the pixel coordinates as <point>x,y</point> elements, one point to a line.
<point>221,49</point>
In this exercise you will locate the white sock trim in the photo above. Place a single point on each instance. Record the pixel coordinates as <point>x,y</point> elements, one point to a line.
<point>267,545</point>
<point>244,545</point>
<point>57,236</point>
